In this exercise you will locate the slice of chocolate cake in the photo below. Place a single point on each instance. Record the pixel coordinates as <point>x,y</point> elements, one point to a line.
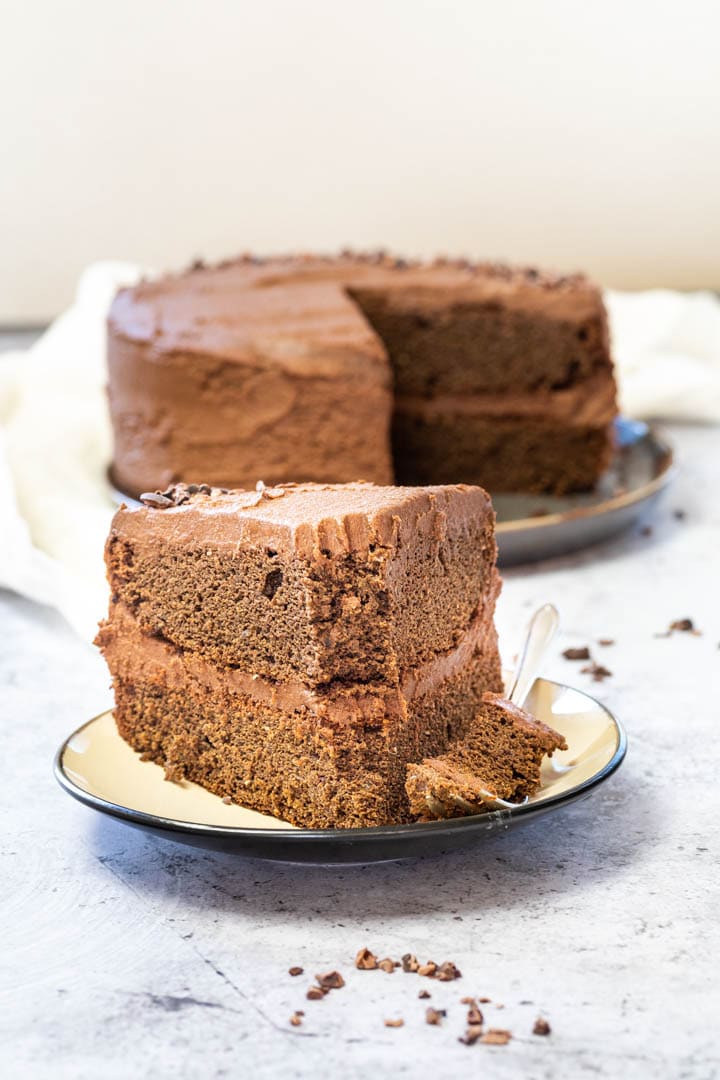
<point>293,648</point>
<point>497,757</point>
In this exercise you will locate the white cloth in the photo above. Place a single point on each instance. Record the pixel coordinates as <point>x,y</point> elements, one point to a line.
<point>55,504</point>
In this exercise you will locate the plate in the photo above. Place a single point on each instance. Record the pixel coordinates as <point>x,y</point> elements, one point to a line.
<point>532,527</point>
<point>97,767</point>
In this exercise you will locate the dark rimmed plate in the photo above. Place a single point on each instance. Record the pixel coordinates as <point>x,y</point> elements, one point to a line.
<point>532,527</point>
<point>97,767</point>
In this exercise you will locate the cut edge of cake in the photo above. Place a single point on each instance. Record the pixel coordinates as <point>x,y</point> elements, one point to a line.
<point>498,757</point>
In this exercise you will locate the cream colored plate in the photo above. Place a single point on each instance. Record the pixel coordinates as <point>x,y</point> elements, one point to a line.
<point>97,767</point>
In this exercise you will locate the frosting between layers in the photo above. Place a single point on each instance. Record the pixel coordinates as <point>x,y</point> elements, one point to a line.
<point>134,656</point>
<point>588,401</point>
<point>309,520</point>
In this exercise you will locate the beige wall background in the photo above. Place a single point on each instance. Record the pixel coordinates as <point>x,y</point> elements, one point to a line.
<point>574,134</point>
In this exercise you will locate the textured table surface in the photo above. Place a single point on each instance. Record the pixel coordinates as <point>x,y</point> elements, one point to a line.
<point>125,955</point>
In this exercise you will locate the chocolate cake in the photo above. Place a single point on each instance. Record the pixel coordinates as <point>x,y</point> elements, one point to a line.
<point>498,756</point>
<point>356,367</point>
<point>293,648</point>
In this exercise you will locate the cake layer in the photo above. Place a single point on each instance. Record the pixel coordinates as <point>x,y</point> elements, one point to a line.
<point>493,335</point>
<point>312,583</point>
<point>322,759</point>
<point>504,453</point>
<point>498,756</point>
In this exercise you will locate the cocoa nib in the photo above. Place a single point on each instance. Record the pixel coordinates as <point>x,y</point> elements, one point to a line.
<point>475,1015</point>
<point>597,671</point>
<point>428,969</point>
<point>581,653</point>
<point>685,626</point>
<point>295,971</point>
<point>447,972</point>
<point>541,1026</point>
<point>424,995</point>
<point>496,1037</point>
<point>331,980</point>
<point>434,1016</point>
<point>156,500</point>
<point>365,960</point>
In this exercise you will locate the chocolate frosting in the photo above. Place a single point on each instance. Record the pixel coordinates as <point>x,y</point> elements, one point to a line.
<point>304,519</point>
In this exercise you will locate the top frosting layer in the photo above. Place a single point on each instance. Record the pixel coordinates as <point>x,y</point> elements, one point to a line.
<point>296,310</point>
<point>310,520</point>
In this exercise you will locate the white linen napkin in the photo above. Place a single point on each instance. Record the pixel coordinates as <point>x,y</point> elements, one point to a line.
<point>55,437</point>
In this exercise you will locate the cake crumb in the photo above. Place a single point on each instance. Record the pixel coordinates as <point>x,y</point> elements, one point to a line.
<point>541,1026</point>
<point>496,1037</point>
<point>394,1023</point>
<point>365,960</point>
<point>410,962</point>
<point>331,980</point>
<point>605,641</point>
<point>315,993</point>
<point>471,1035</point>
<point>295,971</point>
<point>424,995</point>
<point>296,1019</point>
<point>581,653</point>
<point>227,800</point>
<point>484,1000</point>
<point>387,965</point>
<point>434,1016</point>
<point>646,530</point>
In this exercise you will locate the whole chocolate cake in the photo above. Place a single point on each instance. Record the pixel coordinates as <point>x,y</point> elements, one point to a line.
<point>338,369</point>
<point>293,648</point>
